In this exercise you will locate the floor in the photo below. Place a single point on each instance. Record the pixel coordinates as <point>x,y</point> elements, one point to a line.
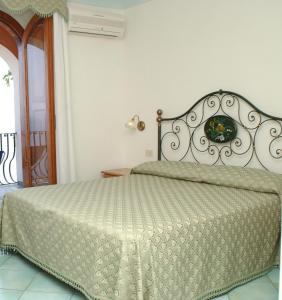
<point>20,279</point>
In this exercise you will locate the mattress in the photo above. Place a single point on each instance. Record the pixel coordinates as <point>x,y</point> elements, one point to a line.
<point>170,230</point>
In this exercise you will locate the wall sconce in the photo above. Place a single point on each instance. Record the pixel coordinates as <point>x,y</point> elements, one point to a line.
<point>135,122</point>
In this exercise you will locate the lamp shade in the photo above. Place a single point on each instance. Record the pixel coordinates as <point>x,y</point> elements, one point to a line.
<point>130,124</point>
<point>135,123</point>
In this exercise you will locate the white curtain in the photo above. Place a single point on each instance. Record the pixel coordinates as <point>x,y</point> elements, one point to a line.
<point>280,275</point>
<point>66,171</point>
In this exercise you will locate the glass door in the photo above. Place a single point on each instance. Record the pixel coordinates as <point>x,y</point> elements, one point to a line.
<point>38,124</point>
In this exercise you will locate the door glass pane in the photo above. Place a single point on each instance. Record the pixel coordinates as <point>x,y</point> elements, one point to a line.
<point>36,66</point>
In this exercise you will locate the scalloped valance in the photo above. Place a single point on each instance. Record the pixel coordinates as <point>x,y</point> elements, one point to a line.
<point>43,8</point>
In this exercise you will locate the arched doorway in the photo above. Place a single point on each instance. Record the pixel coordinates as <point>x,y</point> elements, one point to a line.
<point>32,48</point>
<point>10,138</point>
<point>11,162</point>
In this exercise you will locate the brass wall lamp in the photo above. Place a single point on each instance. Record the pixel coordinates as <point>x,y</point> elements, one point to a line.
<point>135,122</point>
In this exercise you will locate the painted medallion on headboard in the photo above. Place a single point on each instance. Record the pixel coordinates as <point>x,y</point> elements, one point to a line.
<point>222,128</point>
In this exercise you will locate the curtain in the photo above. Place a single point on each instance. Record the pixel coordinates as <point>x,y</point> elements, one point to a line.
<point>43,8</point>
<point>65,146</point>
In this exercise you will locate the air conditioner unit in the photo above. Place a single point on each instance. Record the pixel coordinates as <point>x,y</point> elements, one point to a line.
<point>88,20</point>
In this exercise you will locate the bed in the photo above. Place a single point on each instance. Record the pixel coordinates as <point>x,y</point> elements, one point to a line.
<point>173,229</point>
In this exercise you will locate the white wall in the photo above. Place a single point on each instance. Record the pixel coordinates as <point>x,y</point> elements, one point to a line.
<point>174,53</point>
<point>177,51</point>
<point>97,91</point>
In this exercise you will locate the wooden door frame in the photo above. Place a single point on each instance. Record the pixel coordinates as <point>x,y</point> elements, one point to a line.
<point>15,27</point>
<point>51,141</point>
<point>15,32</point>
<point>20,36</point>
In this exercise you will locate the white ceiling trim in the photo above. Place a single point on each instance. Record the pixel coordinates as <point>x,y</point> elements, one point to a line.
<point>117,4</point>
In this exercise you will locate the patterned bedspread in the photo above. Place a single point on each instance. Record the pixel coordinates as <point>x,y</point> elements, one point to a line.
<point>170,230</point>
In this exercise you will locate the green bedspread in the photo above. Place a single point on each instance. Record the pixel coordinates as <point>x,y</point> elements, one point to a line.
<point>169,231</point>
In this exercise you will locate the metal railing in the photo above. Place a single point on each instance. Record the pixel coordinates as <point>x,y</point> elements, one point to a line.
<point>39,157</point>
<point>8,168</point>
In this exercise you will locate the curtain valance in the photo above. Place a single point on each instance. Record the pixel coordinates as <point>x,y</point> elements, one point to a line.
<point>43,8</point>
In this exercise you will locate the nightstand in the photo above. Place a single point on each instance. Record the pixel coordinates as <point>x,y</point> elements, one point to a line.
<point>115,172</point>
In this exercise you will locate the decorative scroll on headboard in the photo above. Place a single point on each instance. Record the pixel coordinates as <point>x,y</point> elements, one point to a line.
<point>222,128</point>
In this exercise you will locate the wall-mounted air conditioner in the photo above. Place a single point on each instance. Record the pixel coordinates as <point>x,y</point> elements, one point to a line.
<point>87,19</point>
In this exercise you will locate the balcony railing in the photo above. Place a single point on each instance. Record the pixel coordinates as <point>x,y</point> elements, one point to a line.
<point>8,169</point>
<point>39,157</point>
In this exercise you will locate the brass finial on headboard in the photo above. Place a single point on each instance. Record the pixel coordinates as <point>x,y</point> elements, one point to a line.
<point>159,118</point>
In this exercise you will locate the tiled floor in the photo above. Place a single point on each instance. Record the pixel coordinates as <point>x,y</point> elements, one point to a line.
<point>20,279</point>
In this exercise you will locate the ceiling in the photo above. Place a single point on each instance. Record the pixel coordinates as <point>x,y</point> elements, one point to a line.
<point>111,3</point>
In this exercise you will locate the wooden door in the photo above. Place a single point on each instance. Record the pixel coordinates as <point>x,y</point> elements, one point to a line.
<point>38,114</point>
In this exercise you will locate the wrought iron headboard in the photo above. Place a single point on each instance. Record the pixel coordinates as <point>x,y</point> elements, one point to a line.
<point>222,127</point>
